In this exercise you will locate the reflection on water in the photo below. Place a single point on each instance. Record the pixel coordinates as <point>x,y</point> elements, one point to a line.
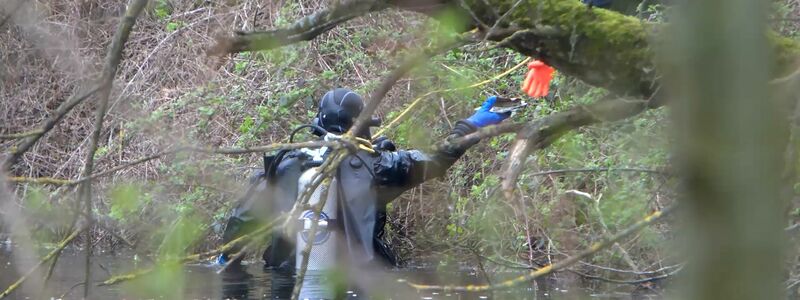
<point>252,281</point>
<point>203,282</point>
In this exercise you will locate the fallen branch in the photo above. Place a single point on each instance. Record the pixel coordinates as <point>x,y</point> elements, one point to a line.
<point>566,263</point>
<point>63,244</point>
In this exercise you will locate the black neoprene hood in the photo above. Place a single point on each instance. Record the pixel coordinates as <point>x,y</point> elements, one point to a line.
<point>338,109</point>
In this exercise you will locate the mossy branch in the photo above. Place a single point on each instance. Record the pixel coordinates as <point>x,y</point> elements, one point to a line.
<point>112,61</point>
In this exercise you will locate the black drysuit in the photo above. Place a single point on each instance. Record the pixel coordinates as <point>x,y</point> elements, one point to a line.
<point>365,185</point>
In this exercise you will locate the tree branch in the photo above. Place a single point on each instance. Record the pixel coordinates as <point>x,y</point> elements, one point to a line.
<point>113,59</point>
<point>304,29</point>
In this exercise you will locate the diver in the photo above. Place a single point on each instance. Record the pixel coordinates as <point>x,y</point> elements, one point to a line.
<point>351,224</point>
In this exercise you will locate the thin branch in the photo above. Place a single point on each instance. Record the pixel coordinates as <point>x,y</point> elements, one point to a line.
<point>647,273</point>
<point>235,257</point>
<point>547,129</point>
<point>266,148</point>
<point>48,125</point>
<point>418,100</point>
<point>40,180</point>
<point>113,59</point>
<point>64,295</point>
<point>566,263</point>
<point>21,135</point>
<point>491,30</point>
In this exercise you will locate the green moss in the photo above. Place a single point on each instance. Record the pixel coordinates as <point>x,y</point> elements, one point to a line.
<point>786,52</point>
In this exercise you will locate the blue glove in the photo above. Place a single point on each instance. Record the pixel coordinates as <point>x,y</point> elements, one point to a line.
<point>222,259</point>
<point>483,117</point>
<point>598,3</point>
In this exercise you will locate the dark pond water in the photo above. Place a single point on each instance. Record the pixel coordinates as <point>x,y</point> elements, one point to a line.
<point>253,282</point>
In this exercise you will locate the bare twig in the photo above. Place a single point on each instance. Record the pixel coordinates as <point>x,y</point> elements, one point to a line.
<point>41,180</point>
<point>391,79</point>
<point>545,130</point>
<point>416,101</point>
<point>540,133</point>
<point>70,289</point>
<point>499,20</point>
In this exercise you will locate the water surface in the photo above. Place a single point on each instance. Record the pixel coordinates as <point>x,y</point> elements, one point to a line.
<point>202,281</point>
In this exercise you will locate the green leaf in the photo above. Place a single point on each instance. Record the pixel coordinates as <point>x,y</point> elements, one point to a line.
<point>126,201</point>
<point>247,125</point>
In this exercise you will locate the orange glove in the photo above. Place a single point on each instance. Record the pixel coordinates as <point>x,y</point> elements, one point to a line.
<point>537,83</point>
